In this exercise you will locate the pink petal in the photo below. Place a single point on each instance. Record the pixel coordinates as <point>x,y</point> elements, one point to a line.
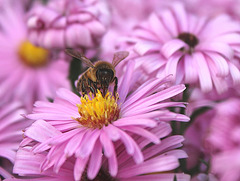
<point>41,131</point>
<point>112,132</point>
<point>181,16</point>
<point>53,39</point>
<point>145,89</point>
<point>158,28</point>
<point>95,161</point>
<point>142,47</point>
<point>233,38</point>
<point>177,153</point>
<point>73,144</point>
<point>203,72</point>
<point>220,63</point>
<point>113,164</point>
<point>128,142</point>
<point>235,73</point>
<point>129,122</point>
<point>170,23</point>
<point>156,98</point>
<point>107,144</point>
<point>191,75</point>
<point>172,46</point>
<point>172,63</point>
<point>69,96</point>
<point>153,165</point>
<point>79,167</point>
<point>96,28</point>
<point>218,47</point>
<point>144,133</point>
<point>88,143</point>
<point>163,129</point>
<point>125,84</point>
<point>78,34</point>
<point>166,144</point>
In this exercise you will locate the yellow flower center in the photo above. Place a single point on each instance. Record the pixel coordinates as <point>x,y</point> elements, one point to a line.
<point>31,55</point>
<point>98,111</point>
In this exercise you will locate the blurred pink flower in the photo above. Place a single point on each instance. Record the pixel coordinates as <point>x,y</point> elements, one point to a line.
<point>214,137</point>
<point>196,50</point>
<point>126,14</point>
<point>62,132</point>
<point>224,139</point>
<point>68,23</point>
<point>11,131</point>
<point>225,125</point>
<point>27,73</point>
<point>205,7</point>
<point>226,165</point>
<point>195,143</point>
<point>157,160</point>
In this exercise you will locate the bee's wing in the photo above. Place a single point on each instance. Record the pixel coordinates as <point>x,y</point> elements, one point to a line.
<point>78,55</point>
<point>118,57</point>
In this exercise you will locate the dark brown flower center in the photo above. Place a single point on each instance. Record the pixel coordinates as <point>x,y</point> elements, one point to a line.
<point>189,39</point>
<point>102,175</point>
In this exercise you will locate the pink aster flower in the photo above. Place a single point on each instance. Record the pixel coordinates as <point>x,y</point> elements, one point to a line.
<point>11,126</point>
<point>196,50</point>
<point>157,160</point>
<point>90,128</point>
<point>27,73</point>
<point>68,23</point>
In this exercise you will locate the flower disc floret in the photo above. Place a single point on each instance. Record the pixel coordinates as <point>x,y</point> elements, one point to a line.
<point>98,111</point>
<point>32,55</point>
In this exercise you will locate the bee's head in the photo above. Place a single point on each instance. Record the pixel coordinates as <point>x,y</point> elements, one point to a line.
<point>104,76</point>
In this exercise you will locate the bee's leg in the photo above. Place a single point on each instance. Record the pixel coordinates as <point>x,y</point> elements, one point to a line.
<point>104,91</point>
<point>115,86</point>
<point>84,91</point>
<point>90,83</point>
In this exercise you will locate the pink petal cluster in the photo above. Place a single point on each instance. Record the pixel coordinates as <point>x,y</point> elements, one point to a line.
<point>16,78</point>
<point>196,50</point>
<point>61,137</point>
<point>157,159</point>
<point>68,23</point>
<point>12,125</point>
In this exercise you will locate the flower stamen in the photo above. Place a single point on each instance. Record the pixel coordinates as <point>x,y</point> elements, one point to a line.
<point>98,111</point>
<point>31,55</point>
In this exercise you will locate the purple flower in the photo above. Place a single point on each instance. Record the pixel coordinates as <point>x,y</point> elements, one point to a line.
<point>83,127</point>
<point>28,73</point>
<point>196,50</point>
<point>157,160</point>
<point>11,126</point>
<point>68,23</point>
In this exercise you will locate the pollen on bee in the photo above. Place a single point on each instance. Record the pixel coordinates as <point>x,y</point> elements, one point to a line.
<point>98,111</point>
